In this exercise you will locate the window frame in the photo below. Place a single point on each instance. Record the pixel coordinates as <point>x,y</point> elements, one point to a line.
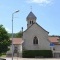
<point>35,40</point>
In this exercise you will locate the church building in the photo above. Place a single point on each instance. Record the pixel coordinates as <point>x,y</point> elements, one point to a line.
<point>35,37</point>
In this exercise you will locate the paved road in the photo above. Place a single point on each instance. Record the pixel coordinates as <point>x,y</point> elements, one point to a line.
<point>15,58</point>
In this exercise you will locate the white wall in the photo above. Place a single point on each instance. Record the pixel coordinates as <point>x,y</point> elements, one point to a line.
<point>10,51</point>
<point>42,36</point>
<point>19,49</point>
<point>57,47</point>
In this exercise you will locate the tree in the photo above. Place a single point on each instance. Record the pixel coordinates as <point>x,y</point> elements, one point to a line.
<point>16,35</point>
<point>4,40</point>
<point>19,34</point>
<point>10,35</point>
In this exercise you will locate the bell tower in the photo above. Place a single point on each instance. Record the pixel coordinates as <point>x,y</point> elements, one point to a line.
<point>31,19</point>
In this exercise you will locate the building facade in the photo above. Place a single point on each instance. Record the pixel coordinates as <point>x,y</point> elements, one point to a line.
<point>35,37</point>
<point>17,47</point>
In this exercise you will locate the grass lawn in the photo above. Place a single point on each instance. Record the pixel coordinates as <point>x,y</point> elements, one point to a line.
<point>3,56</point>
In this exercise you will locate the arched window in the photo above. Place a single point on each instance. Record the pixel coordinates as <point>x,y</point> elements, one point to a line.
<point>35,40</point>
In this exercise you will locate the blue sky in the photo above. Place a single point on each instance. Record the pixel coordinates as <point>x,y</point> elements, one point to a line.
<point>46,11</point>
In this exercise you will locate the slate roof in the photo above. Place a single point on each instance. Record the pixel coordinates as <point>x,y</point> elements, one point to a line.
<point>31,15</point>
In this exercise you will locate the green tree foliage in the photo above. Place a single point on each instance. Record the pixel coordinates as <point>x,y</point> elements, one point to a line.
<point>16,35</point>
<point>4,40</point>
<point>19,34</point>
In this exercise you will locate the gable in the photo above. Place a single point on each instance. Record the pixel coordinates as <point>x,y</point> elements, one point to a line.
<point>42,28</point>
<point>40,33</point>
<point>38,26</point>
<point>35,30</point>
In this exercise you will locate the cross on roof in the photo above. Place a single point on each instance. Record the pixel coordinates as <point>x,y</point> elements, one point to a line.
<point>31,8</point>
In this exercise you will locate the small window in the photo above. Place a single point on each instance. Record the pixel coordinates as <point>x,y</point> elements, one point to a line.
<point>35,40</point>
<point>30,22</point>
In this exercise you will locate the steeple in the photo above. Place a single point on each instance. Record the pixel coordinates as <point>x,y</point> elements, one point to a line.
<point>31,18</point>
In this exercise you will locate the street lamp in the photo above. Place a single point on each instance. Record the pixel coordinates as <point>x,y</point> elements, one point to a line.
<point>12,30</point>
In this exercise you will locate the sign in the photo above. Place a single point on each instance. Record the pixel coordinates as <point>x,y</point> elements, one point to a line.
<point>52,44</point>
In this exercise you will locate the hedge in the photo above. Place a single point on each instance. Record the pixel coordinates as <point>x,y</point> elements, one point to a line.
<point>37,53</point>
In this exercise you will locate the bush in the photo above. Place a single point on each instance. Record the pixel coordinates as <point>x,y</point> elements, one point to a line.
<point>37,53</point>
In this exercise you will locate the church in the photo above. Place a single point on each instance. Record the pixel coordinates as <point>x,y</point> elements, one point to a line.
<point>36,38</point>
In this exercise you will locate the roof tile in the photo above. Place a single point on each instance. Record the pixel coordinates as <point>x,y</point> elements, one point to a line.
<point>17,40</point>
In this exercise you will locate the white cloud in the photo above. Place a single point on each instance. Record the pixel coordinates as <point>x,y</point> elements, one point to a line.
<point>8,30</point>
<point>39,1</point>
